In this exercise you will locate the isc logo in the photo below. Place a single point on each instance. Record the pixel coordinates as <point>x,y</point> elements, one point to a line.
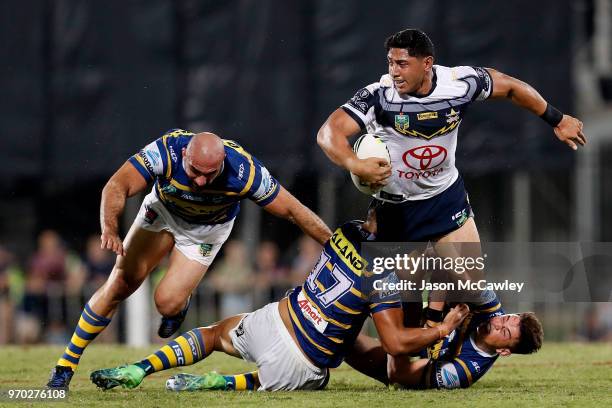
<point>178,352</point>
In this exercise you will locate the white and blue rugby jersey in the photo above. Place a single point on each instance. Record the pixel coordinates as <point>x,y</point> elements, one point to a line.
<point>242,176</point>
<point>420,131</point>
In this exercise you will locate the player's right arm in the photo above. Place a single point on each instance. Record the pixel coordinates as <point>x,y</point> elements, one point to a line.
<point>126,182</point>
<point>333,139</point>
<point>398,340</point>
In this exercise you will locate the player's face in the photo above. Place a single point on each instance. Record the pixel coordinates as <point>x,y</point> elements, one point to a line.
<point>408,73</point>
<point>501,332</point>
<point>199,172</point>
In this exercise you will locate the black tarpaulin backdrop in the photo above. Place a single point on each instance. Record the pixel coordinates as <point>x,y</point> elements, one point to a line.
<point>87,83</point>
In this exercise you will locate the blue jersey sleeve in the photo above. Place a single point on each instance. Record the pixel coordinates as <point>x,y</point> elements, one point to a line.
<point>152,160</point>
<point>487,307</point>
<point>448,375</point>
<point>265,187</point>
<point>384,294</point>
<point>362,105</point>
<point>253,179</point>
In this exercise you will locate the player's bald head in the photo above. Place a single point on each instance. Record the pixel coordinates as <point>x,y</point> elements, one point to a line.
<point>203,159</point>
<point>205,151</point>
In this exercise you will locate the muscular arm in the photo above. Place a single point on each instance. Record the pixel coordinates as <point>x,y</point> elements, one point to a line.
<point>287,206</point>
<point>399,340</point>
<point>568,130</point>
<point>333,139</point>
<point>126,182</point>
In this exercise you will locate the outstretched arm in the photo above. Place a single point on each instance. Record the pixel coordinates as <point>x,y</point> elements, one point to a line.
<point>287,206</point>
<point>333,139</point>
<point>567,128</point>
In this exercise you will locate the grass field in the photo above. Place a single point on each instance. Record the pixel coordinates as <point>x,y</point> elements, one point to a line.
<point>561,375</point>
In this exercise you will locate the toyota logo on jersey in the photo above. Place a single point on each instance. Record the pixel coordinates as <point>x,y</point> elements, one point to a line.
<point>424,157</point>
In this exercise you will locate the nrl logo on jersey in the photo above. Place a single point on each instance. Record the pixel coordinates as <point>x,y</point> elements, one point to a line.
<point>452,116</point>
<point>169,189</point>
<point>402,123</point>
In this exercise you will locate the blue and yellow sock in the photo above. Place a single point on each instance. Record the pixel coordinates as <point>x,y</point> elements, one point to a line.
<point>186,349</point>
<point>89,326</point>
<point>242,382</point>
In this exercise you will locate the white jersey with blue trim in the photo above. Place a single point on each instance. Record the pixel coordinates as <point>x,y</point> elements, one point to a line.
<point>420,131</point>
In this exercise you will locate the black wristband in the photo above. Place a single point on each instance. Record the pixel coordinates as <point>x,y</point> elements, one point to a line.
<point>433,315</point>
<point>552,115</point>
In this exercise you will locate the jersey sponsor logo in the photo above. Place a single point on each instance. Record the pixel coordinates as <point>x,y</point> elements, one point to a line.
<point>343,247</point>
<point>154,156</point>
<point>425,157</point>
<point>427,115</point>
<point>402,123</point>
<point>476,366</point>
<point>385,283</point>
<point>360,100</point>
<point>266,187</point>
<point>415,175</point>
<point>147,162</point>
<point>240,171</point>
<point>311,313</point>
<point>446,376</point>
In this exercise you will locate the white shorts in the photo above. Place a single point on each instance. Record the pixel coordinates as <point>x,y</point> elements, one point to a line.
<point>261,337</point>
<point>197,242</point>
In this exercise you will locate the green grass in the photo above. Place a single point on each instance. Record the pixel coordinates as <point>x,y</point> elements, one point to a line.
<point>572,375</point>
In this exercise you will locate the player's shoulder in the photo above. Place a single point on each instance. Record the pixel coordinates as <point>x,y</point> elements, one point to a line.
<point>237,155</point>
<point>457,72</point>
<point>175,139</point>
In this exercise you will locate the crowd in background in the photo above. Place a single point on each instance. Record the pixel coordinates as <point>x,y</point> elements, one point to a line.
<point>41,296</point>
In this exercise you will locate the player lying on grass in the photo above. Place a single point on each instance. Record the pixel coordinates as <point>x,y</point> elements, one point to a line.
<point>295,341</point>
<point>458,360</point>
<point>462,358</point>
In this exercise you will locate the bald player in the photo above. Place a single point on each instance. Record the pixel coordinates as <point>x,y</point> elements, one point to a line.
<point>199,181</point>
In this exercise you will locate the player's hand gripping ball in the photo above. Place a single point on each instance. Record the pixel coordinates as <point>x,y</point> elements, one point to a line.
<point>369,145</point>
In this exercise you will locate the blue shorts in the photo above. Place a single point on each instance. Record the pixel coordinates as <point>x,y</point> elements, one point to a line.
<point>423,220</point>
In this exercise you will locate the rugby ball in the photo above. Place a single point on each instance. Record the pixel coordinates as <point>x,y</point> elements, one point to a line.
<point>369,145</point>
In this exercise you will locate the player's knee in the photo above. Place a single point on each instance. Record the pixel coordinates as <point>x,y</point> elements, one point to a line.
<point>169,304</point>
<point>120,285</point>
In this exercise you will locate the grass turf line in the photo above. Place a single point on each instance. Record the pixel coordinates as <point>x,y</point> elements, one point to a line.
<point>560,375</point>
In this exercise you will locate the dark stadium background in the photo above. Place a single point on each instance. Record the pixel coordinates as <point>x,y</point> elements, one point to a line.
<point>85,84</point>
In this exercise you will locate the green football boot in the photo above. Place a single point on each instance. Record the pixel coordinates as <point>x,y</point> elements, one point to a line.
<point>190,382</point>
<point>128,376</point>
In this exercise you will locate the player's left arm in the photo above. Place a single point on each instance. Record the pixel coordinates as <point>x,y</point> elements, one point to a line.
<point>285,205</point>
<point>567,128</point>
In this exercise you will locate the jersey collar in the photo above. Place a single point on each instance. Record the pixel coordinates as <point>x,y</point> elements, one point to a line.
<point>434,82</point>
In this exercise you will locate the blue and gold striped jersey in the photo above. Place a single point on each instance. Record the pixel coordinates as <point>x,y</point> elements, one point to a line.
<point>242,176</point>
<point>458,362</point>
<point>329,309</point>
